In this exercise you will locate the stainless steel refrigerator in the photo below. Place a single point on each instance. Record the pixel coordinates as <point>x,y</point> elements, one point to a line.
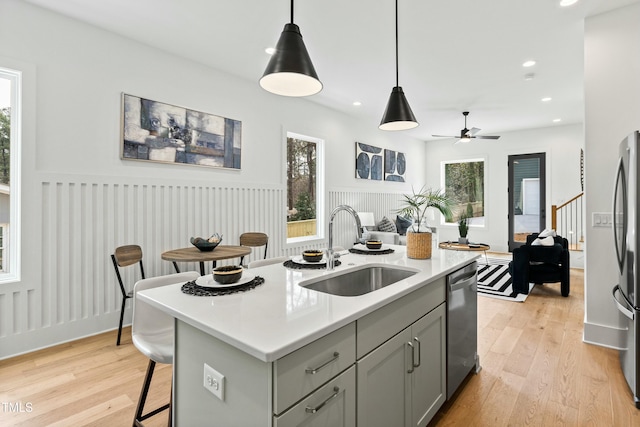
<point>626,204</point>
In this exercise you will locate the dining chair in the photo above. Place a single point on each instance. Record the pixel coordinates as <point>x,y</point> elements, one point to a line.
<point>152,334</point>
<point>125,256</point>
<point>268,261</point>
<point>254,239</point>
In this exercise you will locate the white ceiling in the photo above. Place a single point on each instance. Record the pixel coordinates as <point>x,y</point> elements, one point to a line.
<point>455,55</point>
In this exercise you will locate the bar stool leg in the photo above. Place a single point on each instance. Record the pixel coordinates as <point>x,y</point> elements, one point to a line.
<point>124,301</point>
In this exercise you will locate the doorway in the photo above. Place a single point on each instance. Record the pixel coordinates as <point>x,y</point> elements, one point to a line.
<point>526,197</point>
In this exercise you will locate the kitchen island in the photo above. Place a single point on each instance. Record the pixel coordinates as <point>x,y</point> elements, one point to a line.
<point>290,355</point>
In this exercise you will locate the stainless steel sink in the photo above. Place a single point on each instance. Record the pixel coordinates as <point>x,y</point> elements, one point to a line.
<point>359,281</point>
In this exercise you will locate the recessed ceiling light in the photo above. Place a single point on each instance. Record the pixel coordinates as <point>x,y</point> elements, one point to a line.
<point>557,120</point>
<point>565,3</point>
<point>357,103</point>
<point>529,63</point>
<point>547,99</point>
<point>529,76</point>
<point>270,50</point>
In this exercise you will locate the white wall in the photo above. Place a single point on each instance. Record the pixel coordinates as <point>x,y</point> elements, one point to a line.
<point>612,111</point>
<point>562,146</point>
<point>76,190</point>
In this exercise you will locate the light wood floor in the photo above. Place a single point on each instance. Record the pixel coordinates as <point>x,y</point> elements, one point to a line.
<point>536,371</point>
<point>87,382</point>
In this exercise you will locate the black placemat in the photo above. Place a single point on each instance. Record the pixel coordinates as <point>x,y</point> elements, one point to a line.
<point>361,252</point>
<point>317,266</point>
<point>191,288</point>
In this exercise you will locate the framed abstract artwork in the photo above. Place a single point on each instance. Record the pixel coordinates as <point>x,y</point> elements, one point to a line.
<point>368,162</point>
<point>158,132</point>
<point>395,166</point>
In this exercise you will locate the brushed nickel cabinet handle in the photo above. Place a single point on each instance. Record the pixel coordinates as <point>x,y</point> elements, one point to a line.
<point>310,410</point>
<point>419,353</point>
<point>314,371</point>
<point>410,370</point>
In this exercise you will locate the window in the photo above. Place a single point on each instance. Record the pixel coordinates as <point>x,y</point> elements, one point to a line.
<point>464,183</point>
<point>305,194</point>
<point>10,116</point>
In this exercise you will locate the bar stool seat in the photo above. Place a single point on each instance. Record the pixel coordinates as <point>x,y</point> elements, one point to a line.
<point>152,334</point>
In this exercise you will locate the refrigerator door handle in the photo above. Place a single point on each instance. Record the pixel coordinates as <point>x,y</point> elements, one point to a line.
<point>624,310</point>
<point>621,183</point>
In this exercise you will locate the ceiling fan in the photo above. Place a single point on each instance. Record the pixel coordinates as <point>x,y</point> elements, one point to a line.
<point>467,134</point>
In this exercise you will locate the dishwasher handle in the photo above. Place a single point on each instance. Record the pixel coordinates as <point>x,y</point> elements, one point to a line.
<point>461,284</point>
<point>624,310</point>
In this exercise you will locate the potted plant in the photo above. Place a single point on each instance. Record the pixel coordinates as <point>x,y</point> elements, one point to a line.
<point>415,207</point>
<point>463,229</point>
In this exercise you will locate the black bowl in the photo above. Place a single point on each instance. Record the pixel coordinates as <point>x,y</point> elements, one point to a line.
<point>312,256</point>
<point>373,244</point>
<point>203,244</point>
<point>227,274</point>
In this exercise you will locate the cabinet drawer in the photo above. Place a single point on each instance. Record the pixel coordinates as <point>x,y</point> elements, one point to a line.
<point>299,373</point>
<point>377,327</point>
<point>331,405</point>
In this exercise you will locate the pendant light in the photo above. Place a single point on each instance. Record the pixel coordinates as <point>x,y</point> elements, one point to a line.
<point>290,71</point>
<point>398,115</point>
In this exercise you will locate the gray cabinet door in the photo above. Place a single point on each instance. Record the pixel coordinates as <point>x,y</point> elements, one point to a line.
<point>384,385</point>
<point>429,385</point>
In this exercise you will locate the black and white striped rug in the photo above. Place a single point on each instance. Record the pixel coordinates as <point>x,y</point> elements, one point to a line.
<point>494,281</point>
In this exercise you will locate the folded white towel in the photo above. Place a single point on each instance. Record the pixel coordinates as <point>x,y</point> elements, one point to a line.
<point>547,241</point>
<point>547,232</point>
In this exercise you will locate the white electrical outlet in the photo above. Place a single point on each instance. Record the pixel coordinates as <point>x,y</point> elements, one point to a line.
<point>214,382</point>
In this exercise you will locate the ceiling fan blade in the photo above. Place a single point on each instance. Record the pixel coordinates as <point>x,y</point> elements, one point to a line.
<point>473,131</point>
<point>486,136</point>
<point>445,136</point>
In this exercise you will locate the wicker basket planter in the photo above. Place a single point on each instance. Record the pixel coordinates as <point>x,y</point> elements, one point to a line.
<point>418,245</point>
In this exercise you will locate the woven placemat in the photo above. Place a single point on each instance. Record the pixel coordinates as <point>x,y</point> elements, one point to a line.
<point>361,252</point>
<point>191,288</point>
<point>319,266</point>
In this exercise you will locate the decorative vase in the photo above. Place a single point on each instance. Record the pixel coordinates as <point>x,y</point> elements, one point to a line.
<point>418,245</point>
<point>463,240</point>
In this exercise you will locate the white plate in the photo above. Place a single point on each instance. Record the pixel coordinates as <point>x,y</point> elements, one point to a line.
<point>362,247</point>
<point>299,260</point>
<point>208,282</point>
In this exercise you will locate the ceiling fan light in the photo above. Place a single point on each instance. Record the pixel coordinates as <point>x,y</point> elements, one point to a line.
<point>464,139</point>
<point>398,114</point>
<point>290,71</point>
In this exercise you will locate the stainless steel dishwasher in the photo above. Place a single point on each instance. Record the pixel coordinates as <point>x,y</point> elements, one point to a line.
<point>462,326</point>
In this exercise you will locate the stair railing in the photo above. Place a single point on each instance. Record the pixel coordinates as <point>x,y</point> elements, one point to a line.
<point>567,220</point>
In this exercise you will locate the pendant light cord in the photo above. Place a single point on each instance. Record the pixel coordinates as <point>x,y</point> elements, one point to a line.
<point>396,42</point>
<point>292,11</point>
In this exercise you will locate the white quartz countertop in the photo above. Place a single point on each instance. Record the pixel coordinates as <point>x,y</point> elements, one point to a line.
<point>280,316</point>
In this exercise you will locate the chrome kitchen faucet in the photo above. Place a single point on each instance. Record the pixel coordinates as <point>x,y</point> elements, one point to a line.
<point>330,255</point>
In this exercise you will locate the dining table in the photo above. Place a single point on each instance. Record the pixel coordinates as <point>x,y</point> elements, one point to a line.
<point>193,254</point>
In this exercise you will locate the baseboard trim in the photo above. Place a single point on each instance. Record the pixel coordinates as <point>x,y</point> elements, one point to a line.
<point>605,336</point>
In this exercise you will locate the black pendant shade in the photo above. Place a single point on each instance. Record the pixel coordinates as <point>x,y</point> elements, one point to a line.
<point>290,71</point>
<point>398,115</point>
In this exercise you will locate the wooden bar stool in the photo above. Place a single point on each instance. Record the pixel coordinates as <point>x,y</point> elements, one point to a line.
<point>254,239</point>
<point>125,256</point>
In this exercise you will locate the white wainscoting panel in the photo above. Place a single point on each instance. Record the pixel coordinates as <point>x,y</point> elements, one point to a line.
<point>72,290</point>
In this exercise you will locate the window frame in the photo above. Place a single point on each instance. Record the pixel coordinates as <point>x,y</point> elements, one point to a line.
<point>320,190</point>
<point>443,183</point>
<point>12,242</point>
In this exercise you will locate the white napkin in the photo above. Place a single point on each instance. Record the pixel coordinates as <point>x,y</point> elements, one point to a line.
<point>547,241</point>
<point>547,232</point>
